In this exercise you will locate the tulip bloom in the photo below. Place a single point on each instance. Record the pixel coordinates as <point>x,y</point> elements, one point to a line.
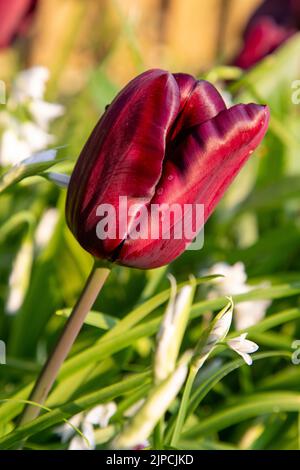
<point>166,139</point>
<point>271,25</point>
<point>14,16</point>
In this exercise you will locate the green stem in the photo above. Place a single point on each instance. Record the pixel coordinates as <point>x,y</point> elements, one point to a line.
<point>158,435</point>
<point>71,330</point>
<point>184,405</point>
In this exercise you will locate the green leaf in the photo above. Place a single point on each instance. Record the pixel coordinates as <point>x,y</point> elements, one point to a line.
<point>256,405</point>
<point>84,403</point>
<point>16,220</point>
<point>29,167</point>
<point>273,195</point>
<point>273,292</point>
<point>97,319</point>
<point>110,343</point>
<point>275,70</point>
<point>204,388</point>
<point>143,310</point>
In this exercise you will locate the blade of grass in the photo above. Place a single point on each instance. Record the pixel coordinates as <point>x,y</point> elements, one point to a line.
<point>84,403</point>
<point>256,405</point>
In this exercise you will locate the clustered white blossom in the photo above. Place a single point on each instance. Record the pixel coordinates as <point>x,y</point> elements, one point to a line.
<point>97,417</point>
<point>26,117</point>
<point>234,282</point>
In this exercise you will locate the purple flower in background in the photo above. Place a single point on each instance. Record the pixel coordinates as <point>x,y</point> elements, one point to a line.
<point>271,25</point>
<point>15,16</point>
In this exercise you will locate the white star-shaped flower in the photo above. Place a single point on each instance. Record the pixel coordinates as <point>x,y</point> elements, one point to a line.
<point>243,347</point>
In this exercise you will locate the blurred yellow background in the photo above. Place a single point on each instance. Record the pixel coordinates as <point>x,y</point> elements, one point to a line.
<point>71,37</point>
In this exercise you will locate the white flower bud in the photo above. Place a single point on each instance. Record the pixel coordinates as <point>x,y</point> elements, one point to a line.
<point>215,334</point>
<point>170,335</point>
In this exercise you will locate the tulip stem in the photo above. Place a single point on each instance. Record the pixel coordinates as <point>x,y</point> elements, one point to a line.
<point>184,405</point>
<point>70,332</point>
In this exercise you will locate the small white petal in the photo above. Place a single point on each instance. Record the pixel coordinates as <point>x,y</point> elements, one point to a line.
<point>101,414</point>
<point>60,179</point>
<point>41,157</point>
<point>43,112</point>
<point>242,344</point>
<point>78,443</point>
<point>88,432</point>
<point>246,358</point>
<point>21,140</point>
<point>249,347</point>
<point>243,347</point>
<point>37,138</point>
<point>13,149</point>
<point>30,83</point>
<point>66,430</point>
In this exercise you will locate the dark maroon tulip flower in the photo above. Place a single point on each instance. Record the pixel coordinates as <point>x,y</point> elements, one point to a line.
<point>14,18</point>
<point>166,139</point>
<point>271,25</point>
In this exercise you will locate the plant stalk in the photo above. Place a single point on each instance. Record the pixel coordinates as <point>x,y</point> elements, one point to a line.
<point>71,330</point>
<point>184,405</point>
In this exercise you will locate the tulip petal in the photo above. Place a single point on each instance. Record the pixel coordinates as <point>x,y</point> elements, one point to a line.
<point>264,36</point>
<point>123,157</point>
<point>200,101</point>
<point>200,170</point>
<point>12,14</point>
